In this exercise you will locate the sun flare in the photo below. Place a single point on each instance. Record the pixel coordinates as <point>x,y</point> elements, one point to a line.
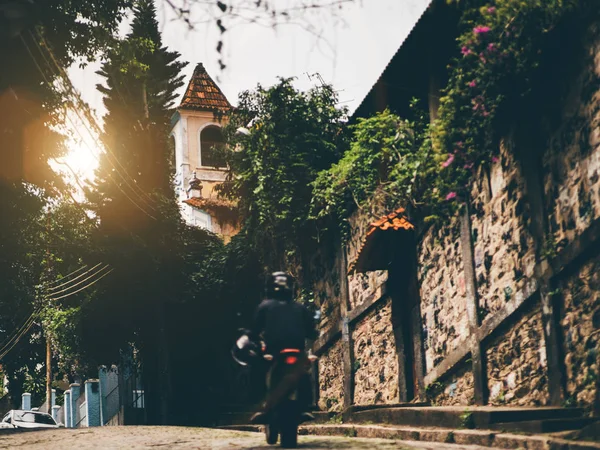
<point>79,164</point>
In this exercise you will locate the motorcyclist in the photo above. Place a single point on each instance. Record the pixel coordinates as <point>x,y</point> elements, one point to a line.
<point>284,324</point>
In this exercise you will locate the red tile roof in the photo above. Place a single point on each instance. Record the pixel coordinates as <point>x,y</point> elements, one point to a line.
<point>209,203</point>
<point>203,94</point>
<point>373,242</point>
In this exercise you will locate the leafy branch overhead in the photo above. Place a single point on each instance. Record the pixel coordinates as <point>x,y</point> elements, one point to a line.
<point>293,136</point>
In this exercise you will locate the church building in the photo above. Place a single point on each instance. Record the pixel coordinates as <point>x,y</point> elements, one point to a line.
<point>199,164</point>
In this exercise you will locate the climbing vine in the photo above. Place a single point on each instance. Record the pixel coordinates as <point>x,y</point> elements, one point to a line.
<point>388,156</point>
<point>500,48</point>
<point>431,167</point>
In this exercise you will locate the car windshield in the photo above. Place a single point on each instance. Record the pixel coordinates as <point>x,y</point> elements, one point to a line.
<point>33,417</point>
<point>45,419</point>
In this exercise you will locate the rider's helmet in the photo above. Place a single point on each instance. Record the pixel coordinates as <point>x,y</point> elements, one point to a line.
<point>280,286</point>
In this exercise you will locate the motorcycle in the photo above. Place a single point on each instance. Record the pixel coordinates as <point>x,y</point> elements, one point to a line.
<point>283,408</point>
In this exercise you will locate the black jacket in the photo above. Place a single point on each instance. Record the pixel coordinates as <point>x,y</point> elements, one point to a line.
<point>284,325</point>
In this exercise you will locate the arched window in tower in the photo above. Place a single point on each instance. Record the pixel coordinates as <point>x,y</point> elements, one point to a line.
<point>211,147</point>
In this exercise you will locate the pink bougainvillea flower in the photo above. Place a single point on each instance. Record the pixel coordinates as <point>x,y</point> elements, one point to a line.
<point>472,83</point>
<point>491,10</point>
<point>482,58</point>
<point>469,166</point>
<point>480,29</point>
<point>451,195</point>
<point>460,144</point>
<point>491,47</point>
<point>465,50</point>
<point>495,159</point>
<point>448,161</point>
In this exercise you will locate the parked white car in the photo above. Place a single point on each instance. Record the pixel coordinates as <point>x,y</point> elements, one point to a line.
<point>17,418</point>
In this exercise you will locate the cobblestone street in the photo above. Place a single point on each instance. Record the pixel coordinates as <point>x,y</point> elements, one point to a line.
<point>134,437</point>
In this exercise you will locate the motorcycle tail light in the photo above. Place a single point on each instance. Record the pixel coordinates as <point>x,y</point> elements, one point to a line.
<point>291,360</point>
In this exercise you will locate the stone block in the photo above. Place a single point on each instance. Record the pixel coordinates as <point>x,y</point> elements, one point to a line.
<point>504,440</point>
<point>474,437</point>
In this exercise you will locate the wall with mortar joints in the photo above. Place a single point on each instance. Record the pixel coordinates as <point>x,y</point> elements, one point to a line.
<point>581,334</point>
<point>517,368</point>
<point>456,388</point>
<point>503,248</point>
<point>331,379</point>
<point>572,158</point>
<point>442,292</point>
<point>326,287</point>
<point>361,286</point>
<point>375,358</point>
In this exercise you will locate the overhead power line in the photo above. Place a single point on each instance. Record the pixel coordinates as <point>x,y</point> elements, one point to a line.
<point>84,107</point>
<point>71,286</point>
<point>51,283</point>
<point>83,288</point>
<point>76,129</point>
<point>62,285</point>
<point>18,335</point>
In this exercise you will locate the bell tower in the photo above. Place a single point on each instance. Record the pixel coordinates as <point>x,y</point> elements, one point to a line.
<point>199,164</point>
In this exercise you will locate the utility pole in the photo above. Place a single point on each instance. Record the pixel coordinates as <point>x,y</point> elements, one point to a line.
<point>48,343</point>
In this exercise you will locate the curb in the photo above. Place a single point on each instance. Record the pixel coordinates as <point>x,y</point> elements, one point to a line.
<point>484,438</point>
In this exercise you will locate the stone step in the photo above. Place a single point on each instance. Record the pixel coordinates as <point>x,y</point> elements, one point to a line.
<point>482,438</point>
<point>544,426</point>
<point>460,417</point>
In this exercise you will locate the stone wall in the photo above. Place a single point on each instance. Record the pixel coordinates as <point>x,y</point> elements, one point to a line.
<point>375,358</point>
<point>572,157</point>
<point>442,284</point>
<point>454,389</point>
<point>503,248</point>
<point>362,286</point>
<point>327,288</point>
<point>517,368</point>
<point>581,328</point>
<point>331,379</point>
<point>565,148</point>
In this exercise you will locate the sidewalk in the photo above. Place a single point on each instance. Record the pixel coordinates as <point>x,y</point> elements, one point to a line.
<point>484,438</point>
<point>538,428</point>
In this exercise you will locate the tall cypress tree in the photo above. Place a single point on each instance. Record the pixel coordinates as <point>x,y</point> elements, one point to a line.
<point>140,79</point>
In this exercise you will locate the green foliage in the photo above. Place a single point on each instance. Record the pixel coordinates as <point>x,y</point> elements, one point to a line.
<point>408,162</point>
<point>337,419</point>
<point>294,135</point>
<point>467,420</point>
<point>500,48</point>
<point>62,325</point>
<point>387,155</point>
<point>351,432</point>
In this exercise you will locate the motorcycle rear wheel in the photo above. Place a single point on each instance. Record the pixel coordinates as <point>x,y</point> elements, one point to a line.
<point>271,434</point>
<point>289,435</point>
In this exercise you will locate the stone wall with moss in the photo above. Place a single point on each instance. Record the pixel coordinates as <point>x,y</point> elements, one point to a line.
<point>572,157</point>
<point>517,369</point>
<point>456,388</point>
<point>442,292</point>
<point>581,328</point>
<point>331,379</point>
<point>375,358</point>
<point>503,248</point>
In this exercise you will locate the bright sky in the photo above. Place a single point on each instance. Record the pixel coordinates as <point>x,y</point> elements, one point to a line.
<point>356,46</point>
